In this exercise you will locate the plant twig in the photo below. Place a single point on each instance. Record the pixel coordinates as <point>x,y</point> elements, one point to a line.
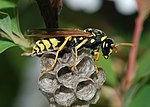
<point>143,13</point>
<point>133,52</point>
<point>118,98</point>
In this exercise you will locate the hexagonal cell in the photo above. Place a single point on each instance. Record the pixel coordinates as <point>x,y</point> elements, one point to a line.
<point>99,78</point>
<point>47,60</point>
<point>85,89</point>
<point>64,96</point>
<point>48,83</point>
<point>86,66</point>
<point>67,77</point>
<point>68,58</point>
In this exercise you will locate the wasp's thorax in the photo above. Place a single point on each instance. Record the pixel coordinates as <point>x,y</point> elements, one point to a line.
<point>98,38</point>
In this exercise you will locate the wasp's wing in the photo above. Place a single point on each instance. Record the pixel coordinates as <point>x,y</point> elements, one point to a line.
<point>57,32</point>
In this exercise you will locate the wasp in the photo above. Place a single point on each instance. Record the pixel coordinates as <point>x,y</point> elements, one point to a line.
<point>57,39</point>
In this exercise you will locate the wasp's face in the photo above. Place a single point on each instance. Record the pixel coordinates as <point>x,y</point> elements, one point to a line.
<point>107,47</point>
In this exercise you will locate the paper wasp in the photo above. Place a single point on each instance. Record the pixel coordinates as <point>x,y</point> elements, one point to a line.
<point>57,39</point>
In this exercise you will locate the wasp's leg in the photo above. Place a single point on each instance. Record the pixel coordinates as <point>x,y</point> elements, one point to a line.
<point>96,55</point>
<point>56,57</point>
<point>76,52</point>
<point>96,58</point>
<point>96,69</point>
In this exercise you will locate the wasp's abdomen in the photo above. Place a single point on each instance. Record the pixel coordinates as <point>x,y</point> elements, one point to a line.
<point>44,45</point>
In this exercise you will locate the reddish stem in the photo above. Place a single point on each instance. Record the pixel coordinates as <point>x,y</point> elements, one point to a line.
<point>118,98</point>
<point>133,52</point>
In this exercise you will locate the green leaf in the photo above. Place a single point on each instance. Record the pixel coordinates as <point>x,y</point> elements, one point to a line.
<point>111,77</point>
<point>5,23</point>
<point>144,67</point>
<point>6,4</point>
<point>15,22</point>
<point>142,99</point>
<point>132,92</point>
<point>5,45</point>
<point>14,19</point>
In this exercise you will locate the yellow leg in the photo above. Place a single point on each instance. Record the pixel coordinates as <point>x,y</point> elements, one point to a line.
<point>56,57</point>
<point>96,68</point>
<point>96,57</point>
<point>76,52</point>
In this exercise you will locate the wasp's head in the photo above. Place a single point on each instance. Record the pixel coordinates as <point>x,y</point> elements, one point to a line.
<point>107,47</point>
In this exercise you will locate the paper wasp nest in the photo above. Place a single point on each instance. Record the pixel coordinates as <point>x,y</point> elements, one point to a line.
<point>65,87</point>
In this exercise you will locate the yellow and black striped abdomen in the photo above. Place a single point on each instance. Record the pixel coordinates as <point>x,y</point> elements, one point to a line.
<point>44,45</point>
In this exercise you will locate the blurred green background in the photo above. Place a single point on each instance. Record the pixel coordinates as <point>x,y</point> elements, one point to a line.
<point>19,75</point>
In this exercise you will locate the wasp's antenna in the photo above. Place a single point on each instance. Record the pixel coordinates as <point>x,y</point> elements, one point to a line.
<point>115,46</point>
<point>125,44</point>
